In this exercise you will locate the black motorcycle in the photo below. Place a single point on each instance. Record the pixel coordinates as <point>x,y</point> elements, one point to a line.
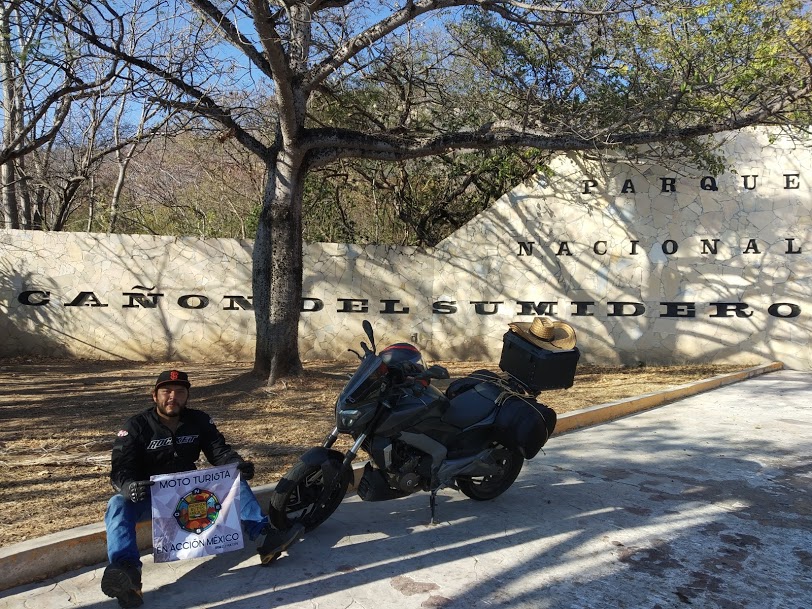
<point>474,437</point>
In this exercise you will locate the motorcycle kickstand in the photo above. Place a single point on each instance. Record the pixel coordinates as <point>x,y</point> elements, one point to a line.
<point>433,505</point>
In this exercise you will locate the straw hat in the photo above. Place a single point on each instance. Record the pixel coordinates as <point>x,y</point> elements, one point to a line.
<point>546,333</point>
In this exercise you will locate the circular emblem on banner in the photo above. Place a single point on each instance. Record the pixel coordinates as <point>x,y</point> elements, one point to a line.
<point>197,511</point>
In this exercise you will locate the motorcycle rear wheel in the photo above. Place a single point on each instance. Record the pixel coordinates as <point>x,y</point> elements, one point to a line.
<point>484,488</point>
<point>296,497</point>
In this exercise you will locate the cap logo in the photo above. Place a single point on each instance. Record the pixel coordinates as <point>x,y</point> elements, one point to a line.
<point>172,376</point>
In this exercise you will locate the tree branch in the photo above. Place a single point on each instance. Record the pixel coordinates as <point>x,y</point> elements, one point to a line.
<point>231,32</point>
<point>412,10</point>
<point>327,145</point>
<point>203,104</point>
<point>272,43</point>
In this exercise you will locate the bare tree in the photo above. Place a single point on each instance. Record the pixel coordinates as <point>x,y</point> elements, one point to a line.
<point>553,76</point>
<point>106,124</point>
<point>43,72</point>
<point>127,143</point>
<point>194,183</point>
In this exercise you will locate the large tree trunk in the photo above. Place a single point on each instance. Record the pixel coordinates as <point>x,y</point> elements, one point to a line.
<point>277,271</point>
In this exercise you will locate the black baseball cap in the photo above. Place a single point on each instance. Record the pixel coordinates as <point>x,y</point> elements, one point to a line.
<point>175,377</point>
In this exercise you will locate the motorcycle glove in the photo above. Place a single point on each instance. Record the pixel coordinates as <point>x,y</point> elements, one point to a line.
<point>246,469</point>
<point>137,490</point>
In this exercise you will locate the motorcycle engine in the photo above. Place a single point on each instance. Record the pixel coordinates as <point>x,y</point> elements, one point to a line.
<point>409,483</point>
<point>410,470</point>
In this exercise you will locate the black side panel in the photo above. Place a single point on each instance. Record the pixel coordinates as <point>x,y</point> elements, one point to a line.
<point>410,410</point>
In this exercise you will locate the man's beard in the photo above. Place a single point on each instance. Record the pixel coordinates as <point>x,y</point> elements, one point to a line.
<point>179,407</point>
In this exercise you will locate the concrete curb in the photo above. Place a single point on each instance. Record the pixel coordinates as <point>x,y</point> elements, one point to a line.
<point>51,555</point>
<point>594,415</point>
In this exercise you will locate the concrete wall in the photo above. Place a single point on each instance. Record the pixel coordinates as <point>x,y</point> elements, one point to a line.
<point>643,236</point>
<point>648,264</point>
<point>123,296</point>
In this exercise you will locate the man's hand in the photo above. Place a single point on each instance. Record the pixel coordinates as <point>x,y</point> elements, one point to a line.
<point>246,469</point>
<point>137,490</point>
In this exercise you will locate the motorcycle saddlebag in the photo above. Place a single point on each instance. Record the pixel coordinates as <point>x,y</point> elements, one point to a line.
<point>536,368</point>
<point>525,425</point>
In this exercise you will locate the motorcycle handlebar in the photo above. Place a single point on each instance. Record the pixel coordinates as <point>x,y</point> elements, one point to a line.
<point>432,372</point>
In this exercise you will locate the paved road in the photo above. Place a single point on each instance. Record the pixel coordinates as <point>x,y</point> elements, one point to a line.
<point>706,502</point>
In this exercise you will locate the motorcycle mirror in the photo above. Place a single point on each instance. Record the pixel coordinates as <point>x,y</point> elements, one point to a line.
<point>368,331</point>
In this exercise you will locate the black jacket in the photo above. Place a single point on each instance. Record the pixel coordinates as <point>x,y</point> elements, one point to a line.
<point>145,446</point>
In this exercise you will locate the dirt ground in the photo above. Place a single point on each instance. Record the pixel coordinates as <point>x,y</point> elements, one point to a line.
<point>59,420</point>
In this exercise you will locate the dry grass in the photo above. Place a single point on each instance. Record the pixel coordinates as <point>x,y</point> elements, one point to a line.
<point>60,419</point>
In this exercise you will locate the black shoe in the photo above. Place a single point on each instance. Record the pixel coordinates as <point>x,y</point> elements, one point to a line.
<point>122,581</point>
<point>276,542</point>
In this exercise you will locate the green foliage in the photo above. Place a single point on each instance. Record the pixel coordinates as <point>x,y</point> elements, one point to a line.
<point>657,69</point>
<point>418,202</point>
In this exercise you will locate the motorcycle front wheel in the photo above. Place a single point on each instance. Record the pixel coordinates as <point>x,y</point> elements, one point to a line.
<point>298,497</point>
<point>483,488</point>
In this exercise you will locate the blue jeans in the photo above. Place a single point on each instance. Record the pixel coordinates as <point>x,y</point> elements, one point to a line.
<point>122,515</point>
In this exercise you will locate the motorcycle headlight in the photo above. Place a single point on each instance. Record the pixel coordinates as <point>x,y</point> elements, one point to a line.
<point>348,418</point>
<point>355,417</point>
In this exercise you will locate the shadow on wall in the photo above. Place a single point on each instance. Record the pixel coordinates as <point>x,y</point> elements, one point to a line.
<point>22,330</point>
<point>124,298</point>
<point>628,304</point>
<point>37,323</point>
<point>485,274</point>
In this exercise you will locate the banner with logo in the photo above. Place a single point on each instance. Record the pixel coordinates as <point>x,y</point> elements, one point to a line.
<point>196,513</point>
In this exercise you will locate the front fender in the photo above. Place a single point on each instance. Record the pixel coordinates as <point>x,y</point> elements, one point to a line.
<point>319,454</point>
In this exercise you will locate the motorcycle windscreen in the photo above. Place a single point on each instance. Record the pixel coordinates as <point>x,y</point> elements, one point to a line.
<point>365,384</point>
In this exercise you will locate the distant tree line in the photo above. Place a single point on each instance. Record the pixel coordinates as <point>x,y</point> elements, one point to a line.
<point>189,182</point>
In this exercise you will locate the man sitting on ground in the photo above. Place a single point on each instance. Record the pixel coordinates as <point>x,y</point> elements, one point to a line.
<point>168,438</point>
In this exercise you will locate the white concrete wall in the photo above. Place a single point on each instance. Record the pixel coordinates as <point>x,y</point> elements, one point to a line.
<point>545,242</point>
<point>91,295</point>
<point>769,209</point>
<point>108,323</point>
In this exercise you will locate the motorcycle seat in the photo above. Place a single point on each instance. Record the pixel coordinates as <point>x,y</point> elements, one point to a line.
<point>469,382</point>
<point>473,406</point>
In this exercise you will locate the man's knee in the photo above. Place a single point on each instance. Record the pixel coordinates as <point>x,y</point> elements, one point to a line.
<point>117,505</point>
<point>121,509</point>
